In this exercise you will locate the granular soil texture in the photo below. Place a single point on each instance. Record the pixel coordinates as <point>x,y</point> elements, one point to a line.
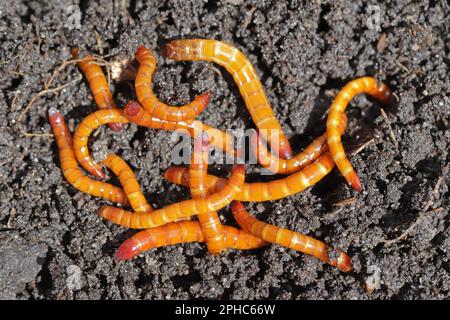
<point>54,246</point>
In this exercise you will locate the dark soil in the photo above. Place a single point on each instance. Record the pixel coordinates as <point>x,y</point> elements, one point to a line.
<point>54,246</point>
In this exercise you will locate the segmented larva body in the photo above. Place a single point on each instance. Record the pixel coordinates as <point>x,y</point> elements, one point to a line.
<point>217,138</point>
<point>297,162</point>
<point>198,170</point>
<point>84,130</point>
<point>251,89</point>
<point>69,165</point>
<point>129,183</point>
<point>264,191</point>
<point>146,97</point>
<point>367,85</point>
<point>290,239</point>
<point>137,115</point>
<point>183,209</point>
<point>180,232</point>
<point>98,84</point>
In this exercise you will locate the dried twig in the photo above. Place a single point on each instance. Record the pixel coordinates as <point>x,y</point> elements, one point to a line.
<point>363,146</point>
<point>99,41</point>
<point>30,104</point>
<point>391,132</point>
<point>345,202</point>
<point>48,90</point>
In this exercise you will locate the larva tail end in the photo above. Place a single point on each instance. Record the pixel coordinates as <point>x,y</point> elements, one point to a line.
<point>97,172</point>
<point>54,116</point>
<point>117,126</point>
<point>132,109</point>
<point>169,51</point>
<point>354,182</point>
<point>127,250</point>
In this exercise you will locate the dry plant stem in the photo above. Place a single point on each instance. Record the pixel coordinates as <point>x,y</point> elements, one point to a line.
<point>33,100</point>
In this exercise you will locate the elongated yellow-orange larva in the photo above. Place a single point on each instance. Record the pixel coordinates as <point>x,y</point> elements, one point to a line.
<point>129,183</point>
<point>146,97</point>
<point>297,162</point>
<point>183,209</point>
<point>243,73</point>
<point>98,84</point>
<point>198,171</point>
<point>367,85</point>
<point>264,191</point>
<point>180,232</point>
<point>69,165</point>
<point>290,239</point>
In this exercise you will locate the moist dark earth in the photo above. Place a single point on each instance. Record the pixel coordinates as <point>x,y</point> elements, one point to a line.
<point>54,246</point>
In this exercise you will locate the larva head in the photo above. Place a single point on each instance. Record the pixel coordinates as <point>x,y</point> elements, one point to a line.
<point>132,109</point>
<point>236,207</point>
<point>344,262</point>
<point>75,52</point>
<point>116,126</point>
<point>340,259</point>
<point>54,117</point>
<point>141,52</point>
<point>127,250</point>
<point>169,50</point>
<point>385,95</point>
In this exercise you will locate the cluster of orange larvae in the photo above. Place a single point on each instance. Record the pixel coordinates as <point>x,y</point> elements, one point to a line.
<point>172,224</point>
